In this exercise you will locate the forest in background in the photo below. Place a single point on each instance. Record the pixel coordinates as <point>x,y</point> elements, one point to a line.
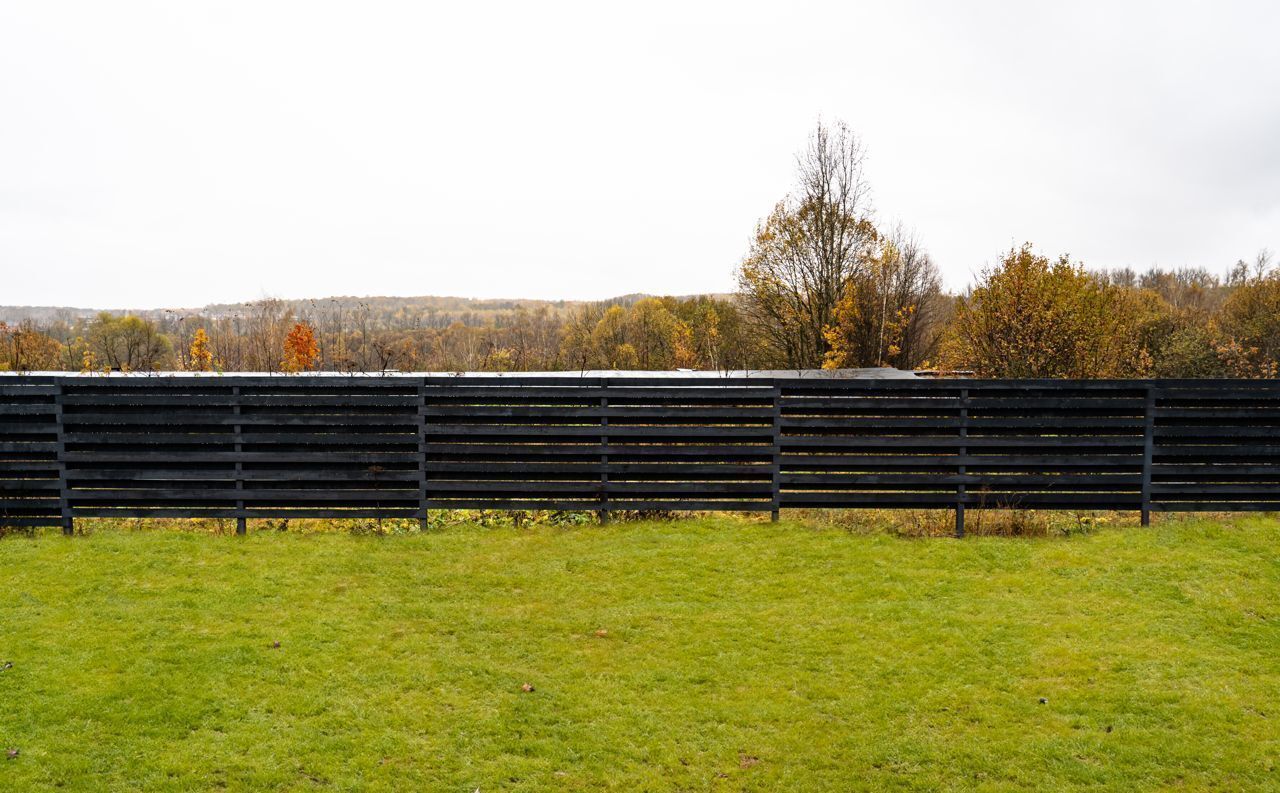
<point>824,283</point>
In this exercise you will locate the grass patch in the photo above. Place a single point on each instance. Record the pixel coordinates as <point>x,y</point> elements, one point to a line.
<point>716,653</point>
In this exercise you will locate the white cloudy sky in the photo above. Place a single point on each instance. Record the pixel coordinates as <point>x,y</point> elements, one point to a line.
<point>180,153</point>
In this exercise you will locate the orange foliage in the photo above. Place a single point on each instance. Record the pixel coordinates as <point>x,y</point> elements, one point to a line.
<point>200,358</point>
<point>300,348</point>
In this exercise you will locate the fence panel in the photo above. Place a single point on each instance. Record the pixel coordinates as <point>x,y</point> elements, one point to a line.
<point>981,444</point>
<point>1216,446</point>
<point>241,447</point>
<point>30,468</point>
<point>596,444</point>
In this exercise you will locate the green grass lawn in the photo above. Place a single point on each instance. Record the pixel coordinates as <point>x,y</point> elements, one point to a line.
<point>716,654</point>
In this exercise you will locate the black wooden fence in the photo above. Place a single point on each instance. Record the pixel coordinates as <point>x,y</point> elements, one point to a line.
<point>397,446</point>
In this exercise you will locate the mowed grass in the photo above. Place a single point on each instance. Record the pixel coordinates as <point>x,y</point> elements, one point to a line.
<point>714,654</point>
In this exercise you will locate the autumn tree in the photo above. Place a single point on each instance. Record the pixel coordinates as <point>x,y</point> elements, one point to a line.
<point>1188,350</point>
<point>128,343</point>
<point>1033,317</point>
<point>722,339</point>
<point>890,313</point>
<point>610,345</point>
<point>1192,291</point>
<point>76,355</point>
<point>461,348</point>
<point>1248,327</point>
<point>532,338</point>
<point>1204,325</point>
<point>712,331</point>
<point>23,348</point>
<point>199,356</point>
<point>808,249</point>
<point>300,348</point>
<point>577,347</point>
<point>392,349</point>
<point>499,359</point>
<point>659,338</point>
<point>1176,312</point>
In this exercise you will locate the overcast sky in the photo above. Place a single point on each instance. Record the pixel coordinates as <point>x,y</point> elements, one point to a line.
<point>181,153</point>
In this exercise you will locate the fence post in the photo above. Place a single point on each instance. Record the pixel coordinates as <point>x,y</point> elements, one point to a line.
<point>424,514</point>
<point>961,469</point>
<point>64,505</point>
<point>604,454</point>
<point>1148,446</point>
<point>776,464</point>
<point>241,526</point>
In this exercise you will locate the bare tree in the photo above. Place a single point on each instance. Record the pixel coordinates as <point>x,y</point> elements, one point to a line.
<point>809,248</point>
<point>268,322</point>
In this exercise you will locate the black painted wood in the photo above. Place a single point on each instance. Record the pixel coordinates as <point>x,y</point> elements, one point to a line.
<point>962,452</point>
<point>1148,447</point>
<point>64,506</point>
<point>247,447</point>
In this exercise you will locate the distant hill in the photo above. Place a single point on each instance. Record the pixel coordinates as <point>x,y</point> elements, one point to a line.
<point>425,310</point>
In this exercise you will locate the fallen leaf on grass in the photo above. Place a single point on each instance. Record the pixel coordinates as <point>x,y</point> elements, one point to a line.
<point>602,633</point>
<point>527,688</point>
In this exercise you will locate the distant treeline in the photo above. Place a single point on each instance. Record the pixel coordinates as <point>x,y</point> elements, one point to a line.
<point>424,311</point>
<point>1028,316</point>
<point>823,284</point>
<point>650,333</point>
